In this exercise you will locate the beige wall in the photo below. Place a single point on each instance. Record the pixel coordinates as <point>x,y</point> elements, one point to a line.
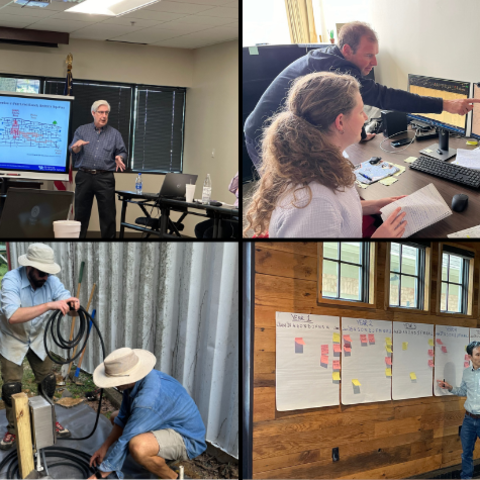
<point>210,74</point>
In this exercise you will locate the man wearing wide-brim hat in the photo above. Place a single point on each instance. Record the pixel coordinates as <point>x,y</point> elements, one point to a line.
<point>158,420</point>
<point>27,294</point>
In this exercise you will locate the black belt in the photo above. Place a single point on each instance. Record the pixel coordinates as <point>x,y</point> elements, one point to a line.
<point>472,415</point>
<point>93,172</point>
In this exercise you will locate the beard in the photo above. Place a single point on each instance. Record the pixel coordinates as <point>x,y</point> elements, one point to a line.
<point>36,283</point>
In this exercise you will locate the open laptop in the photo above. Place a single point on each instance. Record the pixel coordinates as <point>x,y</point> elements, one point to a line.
<point>30,213</point>
<point>174,185</point>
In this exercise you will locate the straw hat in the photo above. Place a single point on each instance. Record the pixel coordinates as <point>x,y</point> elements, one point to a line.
<point>41,257</point>
<point>124,366</point>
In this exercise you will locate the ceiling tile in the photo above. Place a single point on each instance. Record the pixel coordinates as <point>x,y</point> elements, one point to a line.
<point>16,21</point>
<point>182,28</point>
<point>205,2</point>
<point>102,31</point>
<point>153,15</point>
<point>82,17</point>
<point>57,25</point>
<point>204,19</point>
<point>176,7</point>
<point>27,12</point>
<point>139,22</point>
<point>221,12</point>
<point>148,35</point>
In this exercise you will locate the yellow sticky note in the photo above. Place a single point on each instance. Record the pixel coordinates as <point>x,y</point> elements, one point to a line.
<point>410,159</point>
<point>362,185</point>
<point>389,349</point>
<point>336,375</point>
<point>388,181</point>
<point>356,383</point>
<point>388,372</point>
<point>472,142</point>
<point>430,342</point>
<point>336,337</point>
<point>427,150</point>
<point>388,340</point>
<point>413,376</point>
<point>405,346</point>
<point>401,169</point>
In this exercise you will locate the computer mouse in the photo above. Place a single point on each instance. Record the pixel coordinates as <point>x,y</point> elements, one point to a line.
<point>459,202</point>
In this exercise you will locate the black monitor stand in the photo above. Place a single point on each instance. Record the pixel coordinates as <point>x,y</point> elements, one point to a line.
<point>440,150</point>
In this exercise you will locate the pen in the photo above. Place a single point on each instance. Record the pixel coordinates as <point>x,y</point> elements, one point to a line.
<point>368,178</point>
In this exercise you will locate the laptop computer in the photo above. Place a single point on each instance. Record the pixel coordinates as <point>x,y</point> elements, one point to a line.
<point>174,185</point>
<point>30,213</point>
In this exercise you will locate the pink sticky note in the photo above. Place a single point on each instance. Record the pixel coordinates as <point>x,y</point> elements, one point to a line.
<point>439,341</point>
<point>363,338</point>
<point>444,349</point>
<point>388,360</point>
<point>347,338</point>
<point>371,338</point>
<point>347,349</point>
<point>430,352</point>
<point>324,349</point>
<point>466,357</point>
<point>336,348</point>
<point>336,364</point>
<point>466,364</point>
<point>300,340</point>
<point>324,359</point>
<point>430,363</point>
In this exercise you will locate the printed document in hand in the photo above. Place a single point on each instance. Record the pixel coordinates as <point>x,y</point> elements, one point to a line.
<point>423,208</point>
<point>468,158</point>
<point>472,232</point>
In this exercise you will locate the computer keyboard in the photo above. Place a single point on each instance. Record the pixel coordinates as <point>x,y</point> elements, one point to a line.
<point>448,171</point>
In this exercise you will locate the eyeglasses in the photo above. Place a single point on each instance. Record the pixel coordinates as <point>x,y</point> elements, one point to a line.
<point>103,113</point>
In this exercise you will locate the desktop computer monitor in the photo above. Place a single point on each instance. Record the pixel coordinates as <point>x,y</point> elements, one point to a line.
<point>475,132</point>
<point>445,122</point>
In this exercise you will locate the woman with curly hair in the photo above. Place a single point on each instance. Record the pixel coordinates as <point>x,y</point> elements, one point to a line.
<point>307,187</point>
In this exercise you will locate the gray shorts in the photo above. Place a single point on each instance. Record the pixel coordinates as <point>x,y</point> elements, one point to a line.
<point>172,446</point>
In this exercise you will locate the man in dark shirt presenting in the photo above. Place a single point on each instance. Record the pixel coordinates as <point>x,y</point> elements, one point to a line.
<point>98,150</point>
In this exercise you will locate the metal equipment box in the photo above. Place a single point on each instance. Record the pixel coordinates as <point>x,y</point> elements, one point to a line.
<point>42,414</point>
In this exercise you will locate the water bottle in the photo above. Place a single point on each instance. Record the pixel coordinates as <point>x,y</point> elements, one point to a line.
<point>207,190</point>
<point>138,184</point>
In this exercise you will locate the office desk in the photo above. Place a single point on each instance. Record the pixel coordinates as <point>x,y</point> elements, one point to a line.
<point>412,180</point>
<point>167,205</point>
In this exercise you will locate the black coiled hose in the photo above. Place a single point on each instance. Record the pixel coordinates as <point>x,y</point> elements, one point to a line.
<point>77,459</point>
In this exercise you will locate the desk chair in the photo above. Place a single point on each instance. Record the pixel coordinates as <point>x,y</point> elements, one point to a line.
<point>173,228</point>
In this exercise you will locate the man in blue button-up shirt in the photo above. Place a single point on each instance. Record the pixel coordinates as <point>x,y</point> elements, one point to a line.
<point>28,295</point>
<point>158,420</point>
<point>470,387</point>
<point>98,150</point>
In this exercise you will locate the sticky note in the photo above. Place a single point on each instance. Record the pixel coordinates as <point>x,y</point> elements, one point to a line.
<point>430,342</point>
<point>388,372</point>
<point>336,364</point>
<point>444,349</point>
<point>300,341</point>
<point>336,348</point>
<point>388,341</point>
<point>356,382</point>
<point>430,363</point>
<point>439,341</point>
<point>336,337</point>
<point>388,181</point>
<point>362,185</point>
<point>324,359</point>
<point>466,364</point>
<point>388,360</point>
<point>466,357</point>
<point>371,338</point>
<point>430,353</point>
<point>347,338</point>
<point>253,50</point>
<point>410,159</point>
<point>413,376</point>
<point>405,346</point>
<point>389,349</point>
<point>401,169</point>
<point>427,150</point>
<point>472,142</point>
<point>363,338</point>
<point>324,349</point>
<point>347,348</point>
<point>336,375</point>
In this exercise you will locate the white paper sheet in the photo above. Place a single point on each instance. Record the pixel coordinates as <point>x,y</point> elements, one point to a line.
<point>475,335</point>
<point>468,158</point>
<point>472,232</point>
<point>449,364</point>
<point>412,358</point>
<point>366,362</point>
<point>423,208</point>
<point>302,381</point>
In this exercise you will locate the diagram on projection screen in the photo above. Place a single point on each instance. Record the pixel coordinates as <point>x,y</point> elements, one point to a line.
<point>307,360</point>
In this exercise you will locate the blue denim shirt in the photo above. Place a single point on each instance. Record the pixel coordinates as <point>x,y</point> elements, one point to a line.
<point>156,402</point>
<point>16,339</point>
<point>470,388</point>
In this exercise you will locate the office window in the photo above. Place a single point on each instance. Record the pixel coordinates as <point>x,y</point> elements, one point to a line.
<point>455,281</point>
<point>407,275</point>
<point>346,270</point>
<point>24,85</point>
<point>158,129</point>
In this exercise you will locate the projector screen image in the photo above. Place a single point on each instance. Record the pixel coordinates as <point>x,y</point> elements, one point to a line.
<point>34,133</point>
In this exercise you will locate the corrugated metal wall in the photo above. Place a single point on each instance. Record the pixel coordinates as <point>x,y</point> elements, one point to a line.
<point>178,300</point>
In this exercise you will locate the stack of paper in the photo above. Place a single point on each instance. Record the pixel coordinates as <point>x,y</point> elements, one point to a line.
<point>423,208</point>
<point>468,158</point>
<point>472,232</point>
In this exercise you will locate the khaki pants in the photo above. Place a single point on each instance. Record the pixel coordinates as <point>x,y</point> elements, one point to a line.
<point>11,372</point>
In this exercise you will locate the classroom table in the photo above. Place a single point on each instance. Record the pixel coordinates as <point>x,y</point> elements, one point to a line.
<point>411,180</point>
<point>167,205</point>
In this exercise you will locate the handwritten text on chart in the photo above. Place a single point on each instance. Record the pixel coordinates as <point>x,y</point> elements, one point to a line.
<point>305,326</point>
<point>367,329</point>
<point>398,331</point>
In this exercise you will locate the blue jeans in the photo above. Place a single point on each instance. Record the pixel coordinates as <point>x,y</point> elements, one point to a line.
<point>468,435</point>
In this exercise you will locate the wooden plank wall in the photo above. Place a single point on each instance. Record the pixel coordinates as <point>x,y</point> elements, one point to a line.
<point>394,439</point>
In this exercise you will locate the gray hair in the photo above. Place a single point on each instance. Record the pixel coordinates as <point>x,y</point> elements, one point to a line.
<point>98,103</point>
<point>351,34</point>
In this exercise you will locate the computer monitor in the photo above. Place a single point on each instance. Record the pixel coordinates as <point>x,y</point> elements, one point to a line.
<point>34,132</point>
<point>445,122</point>
<point>475,131</point>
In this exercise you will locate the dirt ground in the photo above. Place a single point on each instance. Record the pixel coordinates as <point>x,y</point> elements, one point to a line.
<point>204,466</point>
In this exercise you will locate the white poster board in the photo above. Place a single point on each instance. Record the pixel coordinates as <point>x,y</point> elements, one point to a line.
<point>305,375</point>
<point>412,360</point>
<point>474,335</point>
<point>450,356</point>
<point>366,365</point>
